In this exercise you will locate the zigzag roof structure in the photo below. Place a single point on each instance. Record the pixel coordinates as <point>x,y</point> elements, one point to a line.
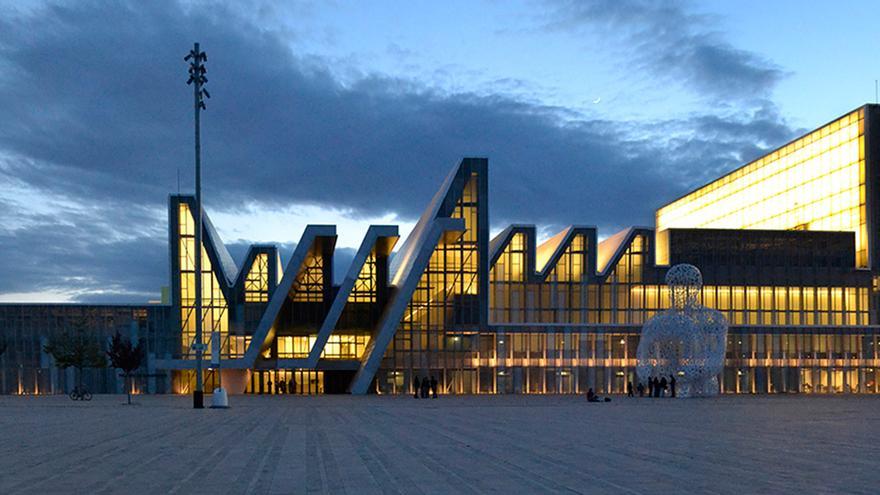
<point>451,300</point>
<point>457,310</point>
<point>436,226</point>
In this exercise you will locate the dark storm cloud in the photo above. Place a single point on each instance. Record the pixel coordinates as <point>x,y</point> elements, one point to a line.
<point>88,260</point>
<point>708,146</point>
<point>669,40</point>
<point>96,110</point>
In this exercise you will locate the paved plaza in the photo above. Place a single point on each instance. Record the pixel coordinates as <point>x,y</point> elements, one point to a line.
<point>481,444</point>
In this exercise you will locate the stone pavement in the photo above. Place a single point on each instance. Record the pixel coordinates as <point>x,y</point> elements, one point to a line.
<point>479,444</point>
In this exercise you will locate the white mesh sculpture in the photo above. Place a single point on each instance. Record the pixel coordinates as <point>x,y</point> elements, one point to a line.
<point>687,341</point>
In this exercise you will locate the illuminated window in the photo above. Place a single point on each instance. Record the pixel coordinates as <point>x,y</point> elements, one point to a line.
<point>445,297</point>
<point>256,283</point>
<point>570,266</point>
<point>309,284</point>
<point>506,277</point>
<point>214,305</point>
<point>338,346</point>
<point>815,183</point>
<point>364,289</point>
<point>345,346</point>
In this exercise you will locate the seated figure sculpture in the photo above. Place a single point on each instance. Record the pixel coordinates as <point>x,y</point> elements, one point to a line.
<point>687,341</point>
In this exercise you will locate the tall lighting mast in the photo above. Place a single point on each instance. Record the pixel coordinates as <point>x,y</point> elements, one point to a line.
<point>197,59</point>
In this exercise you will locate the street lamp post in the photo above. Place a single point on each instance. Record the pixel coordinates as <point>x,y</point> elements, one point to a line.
<point>197,59</point>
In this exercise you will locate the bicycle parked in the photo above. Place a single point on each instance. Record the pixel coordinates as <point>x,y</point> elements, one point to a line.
<point>80,394</point>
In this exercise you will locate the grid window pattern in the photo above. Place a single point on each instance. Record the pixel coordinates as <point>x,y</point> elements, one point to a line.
<point>256,283</point>
<point>338,346</point>
<point>570,266</point>
<point>309,284</point>
<point>506,281</point>
<point>561,298</point>
<point>364,289</point>
<point>624,298</point>
<point>811,361</point>
<point>26,369</point>
<point>439,324</point>
<point>814,183</point>
<point>214,305</point>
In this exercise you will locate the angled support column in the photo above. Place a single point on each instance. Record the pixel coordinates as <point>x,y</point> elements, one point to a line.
<point>264,330</point>
<point>374,233</point>
<point>394,312</point>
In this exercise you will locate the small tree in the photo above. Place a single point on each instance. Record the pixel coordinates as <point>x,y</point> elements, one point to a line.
<point>126,357</point>
<point>76,349</point>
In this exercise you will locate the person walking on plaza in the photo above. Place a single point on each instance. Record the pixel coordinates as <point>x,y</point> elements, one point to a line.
<point>282,387</point>
<point>290,388</point>
<point>425,385</point>
<point>651,387</point>
<point>663,386</point>
<point>672,386</point>
<point>433,387</point>
<point>641,389</point>
<point>629,389</point>
<point>416,387</point>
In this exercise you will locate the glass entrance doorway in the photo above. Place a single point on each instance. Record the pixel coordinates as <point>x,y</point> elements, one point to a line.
<point>299,382</point>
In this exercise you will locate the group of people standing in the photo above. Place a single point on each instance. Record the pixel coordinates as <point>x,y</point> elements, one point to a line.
<point>281,387</point>
<point>656,387</point>
<point>425,387</point>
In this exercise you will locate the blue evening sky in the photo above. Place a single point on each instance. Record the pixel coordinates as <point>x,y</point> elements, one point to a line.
<point>591,112</point>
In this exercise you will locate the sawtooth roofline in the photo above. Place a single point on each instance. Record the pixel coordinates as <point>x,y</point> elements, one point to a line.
<point>406,268</point>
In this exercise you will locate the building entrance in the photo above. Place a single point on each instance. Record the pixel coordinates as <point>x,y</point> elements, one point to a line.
<point>298,381</point>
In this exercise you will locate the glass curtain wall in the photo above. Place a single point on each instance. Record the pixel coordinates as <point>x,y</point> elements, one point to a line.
<point>816,182</point>
<point>438,334</point>
<point>214,304</point>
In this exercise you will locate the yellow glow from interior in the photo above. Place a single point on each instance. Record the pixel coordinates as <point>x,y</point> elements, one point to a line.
<point>365,285</point>
<point>757,305</point>
<point>338,346</point>
<point>309,283</point>
<point>510,265</point>
<point>814,183</point>
<point>256,283</point>
<point>215,317</point>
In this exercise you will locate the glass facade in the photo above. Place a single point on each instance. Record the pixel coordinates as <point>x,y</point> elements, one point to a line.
<point>25,369</point>
<point>215,319</point>
<point>440,327</point>
<point>338,346</point>
<point>365,286</point>
<point>511,316</point>
<point>256,284</point>
<point>816,182</point>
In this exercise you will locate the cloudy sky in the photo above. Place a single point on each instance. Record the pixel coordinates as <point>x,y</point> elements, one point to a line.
<point>591,112</point>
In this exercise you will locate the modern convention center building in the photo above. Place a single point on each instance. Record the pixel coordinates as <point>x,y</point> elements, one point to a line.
<point>788,245</point>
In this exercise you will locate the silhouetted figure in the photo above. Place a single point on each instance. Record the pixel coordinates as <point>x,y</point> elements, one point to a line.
<point>416,387</point>
<point>641,389</point>
<point>290,388</point>
<point>282,387</point>
<point>662,386</point>
<point>425,385</point>
<point>592,397</point>
<point>656,387</point>
<point>651,387</point>
<point>671,386</point>
<point>271,384</point>
<point>629,389</point>
<point>433,387</point>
